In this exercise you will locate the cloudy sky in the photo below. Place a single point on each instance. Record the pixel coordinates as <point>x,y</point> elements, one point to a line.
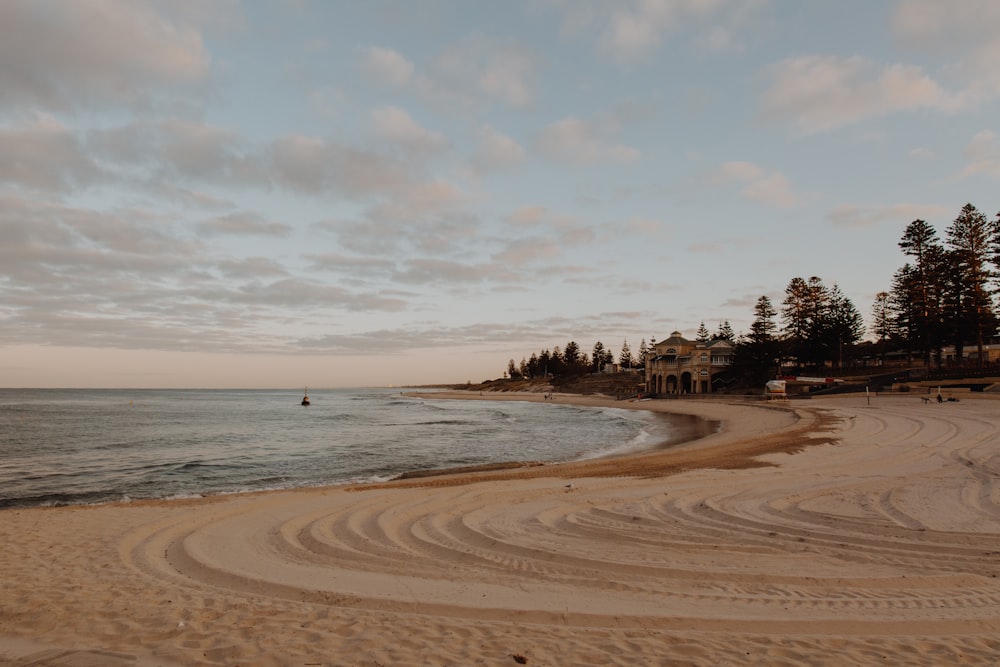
<point>307,192</point>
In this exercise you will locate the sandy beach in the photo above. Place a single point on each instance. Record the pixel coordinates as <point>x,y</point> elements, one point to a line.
<point>829,531</point>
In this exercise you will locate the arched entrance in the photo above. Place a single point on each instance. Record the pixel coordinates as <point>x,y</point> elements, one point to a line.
<point>685,383</point>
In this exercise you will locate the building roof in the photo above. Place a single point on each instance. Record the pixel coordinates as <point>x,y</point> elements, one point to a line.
<point>675,339</point>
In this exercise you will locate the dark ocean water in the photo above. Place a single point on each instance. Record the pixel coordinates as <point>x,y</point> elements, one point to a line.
<point>76,446</point>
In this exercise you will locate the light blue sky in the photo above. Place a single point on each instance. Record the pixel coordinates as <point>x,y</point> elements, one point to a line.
<point>356,193</point>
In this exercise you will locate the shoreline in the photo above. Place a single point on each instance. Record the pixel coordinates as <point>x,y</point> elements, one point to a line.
<point>736,441</point>
<point>693,428</point>
<point>822,531</point>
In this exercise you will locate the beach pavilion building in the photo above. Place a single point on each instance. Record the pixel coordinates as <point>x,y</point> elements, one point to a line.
<point>677,365</point>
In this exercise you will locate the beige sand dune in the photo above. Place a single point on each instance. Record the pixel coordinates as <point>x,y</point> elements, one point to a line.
<point>821,532</point>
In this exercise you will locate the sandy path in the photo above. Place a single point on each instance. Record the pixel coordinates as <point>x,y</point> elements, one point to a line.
<point>878,543</point>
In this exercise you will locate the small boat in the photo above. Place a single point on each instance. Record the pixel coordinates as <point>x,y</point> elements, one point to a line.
<point>305,398</point>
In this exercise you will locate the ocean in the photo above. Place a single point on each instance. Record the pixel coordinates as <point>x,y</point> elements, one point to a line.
<point>88,446</point>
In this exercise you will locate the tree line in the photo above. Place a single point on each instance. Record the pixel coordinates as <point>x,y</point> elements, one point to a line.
<point>571,361</point>
<point>944,294</point>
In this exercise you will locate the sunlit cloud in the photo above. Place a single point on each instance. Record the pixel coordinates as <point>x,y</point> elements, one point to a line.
<point>764,186</point>
<point>982,155</point>
<point>822,93</point>
<point>95,54</point>
<point>856,216</point>
<point>582,142</point>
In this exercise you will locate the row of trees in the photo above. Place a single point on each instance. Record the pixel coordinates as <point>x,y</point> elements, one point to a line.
<point>944,295</point>
<point>570,361</point>
<point>819,324</point>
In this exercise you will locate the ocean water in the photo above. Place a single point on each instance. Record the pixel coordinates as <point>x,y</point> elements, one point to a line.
<point>82,446</point>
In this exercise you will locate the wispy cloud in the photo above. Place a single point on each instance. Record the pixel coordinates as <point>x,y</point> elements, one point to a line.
<point>822,93</point>
<point>982,155</point>
<point>764,186</point>
<point>578,141</point>
<point>106,53</point>
<point>469,72</point>
<point>863,216</point>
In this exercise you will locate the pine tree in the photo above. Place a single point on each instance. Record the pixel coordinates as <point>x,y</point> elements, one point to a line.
<point>882,322</point>
<point>725,332</point>
<point>756,358</point>
<point>796,316</point>
<point>702,335</point>
<point>625,359</point>
<point>571,355</point>
<point>843,325</point>
<point>597,357</point>
<point>574,362</point>
<point>972,240</point>
<point>924,288</point>
<point>763,328</point>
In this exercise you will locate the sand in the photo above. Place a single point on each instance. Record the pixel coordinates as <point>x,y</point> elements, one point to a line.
<point>828,531</point>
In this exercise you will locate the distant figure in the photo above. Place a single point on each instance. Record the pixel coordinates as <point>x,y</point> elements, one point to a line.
<point>939,399</point>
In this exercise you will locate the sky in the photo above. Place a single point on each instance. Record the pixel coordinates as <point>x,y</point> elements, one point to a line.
<point>318,193</point>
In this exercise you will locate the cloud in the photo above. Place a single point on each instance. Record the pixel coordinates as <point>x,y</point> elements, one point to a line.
<point>423,217</point>
<point>499,70</point>
<point>44,155</point>
<point>582,142</point>
<point>351,265</point>
<point>566,230</point>
<point>528,215</point>
<point>133,278</point>
<point>928,24</point>
<point>64,56</point>
<point>761,185</point>
<point>442,271</point>
<point>251,268</point>
<point>463,74</point>
<point>646,226</point>
<point>50,249</point>
<point>315,165</point>
<point>859,216</point>
<point>495,150</point>
<point>520,252</point>
<point>822,93</point>
<point>639,27</point>
<point>175,152</point>
<point>389,66</point>
<point>634,30</point>
<point>982,155</point>
<point>512,338</point>
<point>244,223</point>
<point>723,245</point>
<point>965,32</point>
<point>396,126</point>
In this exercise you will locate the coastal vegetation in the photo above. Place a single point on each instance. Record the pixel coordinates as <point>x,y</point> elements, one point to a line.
<point>944,295</point>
